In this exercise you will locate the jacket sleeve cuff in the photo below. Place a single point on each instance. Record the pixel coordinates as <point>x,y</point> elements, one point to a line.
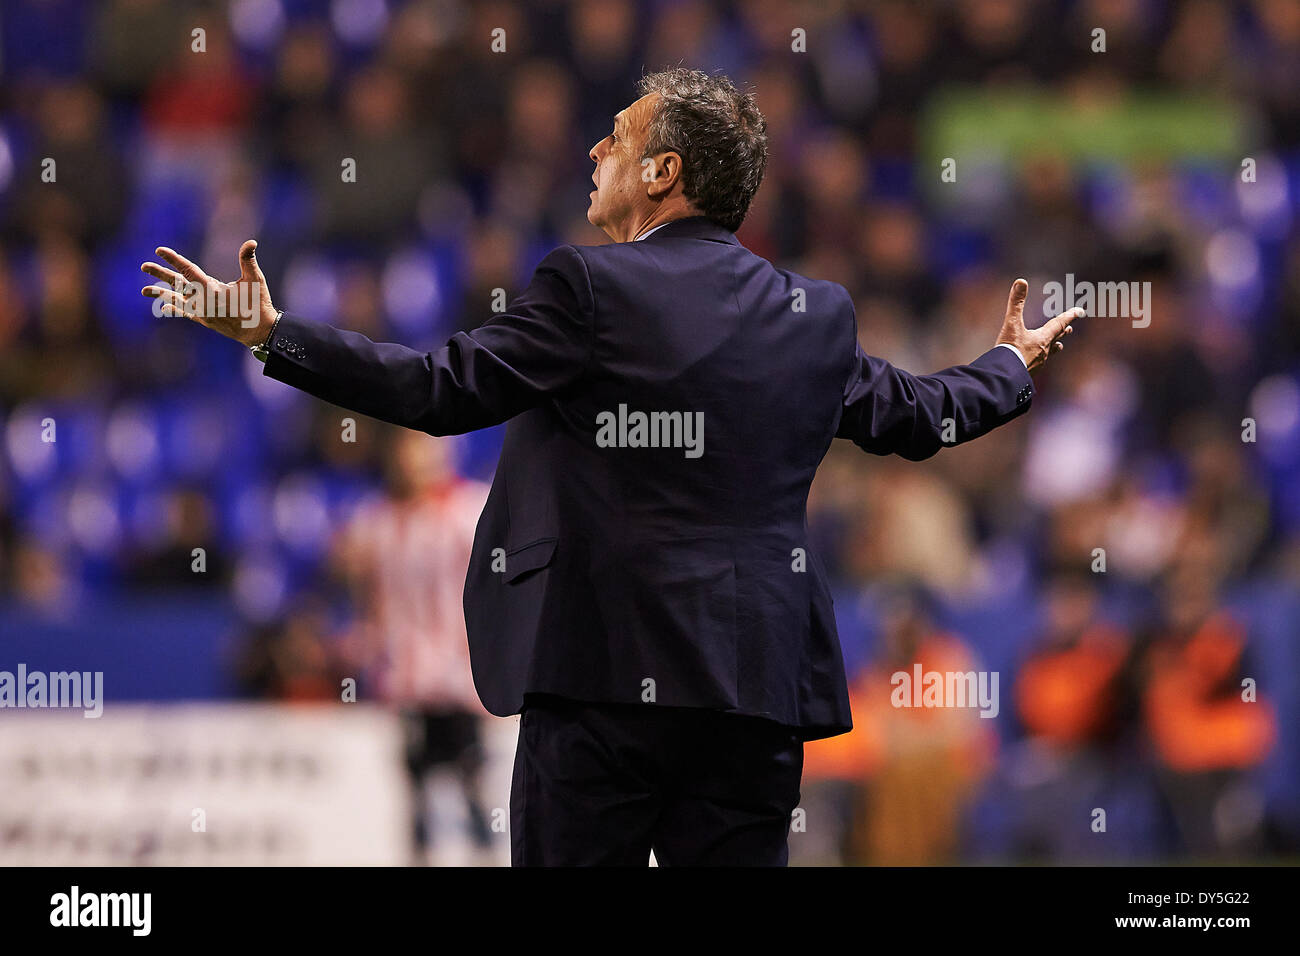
<point>1012,366</point>
<point>285,344</point>
<point>1019,354</point>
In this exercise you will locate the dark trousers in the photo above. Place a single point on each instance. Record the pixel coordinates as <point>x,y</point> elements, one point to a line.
<point>604,784</point>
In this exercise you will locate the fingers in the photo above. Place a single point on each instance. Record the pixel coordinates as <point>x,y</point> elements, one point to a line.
<point>1041,343</point>
<point>186,281</point>
<point>162,272</point>
<point>175,295</point>
<point>182,265</point>
<point>1051,334</point>
<point>248,268</point>
<point>1016,301</point>
<point>173,303</point>
<point>1055,327</point>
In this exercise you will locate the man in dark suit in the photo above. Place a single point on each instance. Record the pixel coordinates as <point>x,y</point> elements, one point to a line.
<point>642,588</point>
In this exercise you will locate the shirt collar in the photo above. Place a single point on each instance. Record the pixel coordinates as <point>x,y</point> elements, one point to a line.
<point>696,227</point>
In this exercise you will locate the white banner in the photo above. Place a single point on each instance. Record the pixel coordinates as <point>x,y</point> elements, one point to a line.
<point>203,784</point>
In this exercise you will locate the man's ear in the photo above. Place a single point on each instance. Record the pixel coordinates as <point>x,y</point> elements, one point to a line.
<point>661,173</point>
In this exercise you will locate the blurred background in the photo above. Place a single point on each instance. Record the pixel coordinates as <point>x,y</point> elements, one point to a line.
<point>235,556</point>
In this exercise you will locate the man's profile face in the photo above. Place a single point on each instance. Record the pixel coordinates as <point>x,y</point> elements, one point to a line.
<point>620,198</point>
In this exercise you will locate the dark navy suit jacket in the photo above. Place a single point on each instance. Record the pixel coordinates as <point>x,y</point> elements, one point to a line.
<point>622,573</point>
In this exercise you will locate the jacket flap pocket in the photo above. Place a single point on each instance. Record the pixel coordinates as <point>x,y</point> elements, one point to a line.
<point>530,557</point>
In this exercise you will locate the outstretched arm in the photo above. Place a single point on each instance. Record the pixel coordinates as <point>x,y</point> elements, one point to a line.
<point>511,363</point>
<point>889,411</point>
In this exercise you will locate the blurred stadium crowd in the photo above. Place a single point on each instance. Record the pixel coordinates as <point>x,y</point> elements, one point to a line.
<point>1121,688</point>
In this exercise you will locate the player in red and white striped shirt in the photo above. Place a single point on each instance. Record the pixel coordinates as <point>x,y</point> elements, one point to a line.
<point>405,553</point>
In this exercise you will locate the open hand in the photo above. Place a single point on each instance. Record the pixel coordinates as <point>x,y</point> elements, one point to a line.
<point>1036,345</point>
<point>240,310</point>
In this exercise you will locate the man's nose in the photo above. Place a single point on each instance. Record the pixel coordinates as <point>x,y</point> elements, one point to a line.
<point>595,151</point>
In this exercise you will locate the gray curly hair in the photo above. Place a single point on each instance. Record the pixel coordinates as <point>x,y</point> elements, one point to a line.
<point>720,135</point>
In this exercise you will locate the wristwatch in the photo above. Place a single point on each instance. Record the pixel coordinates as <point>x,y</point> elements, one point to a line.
<point>263,352</point>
